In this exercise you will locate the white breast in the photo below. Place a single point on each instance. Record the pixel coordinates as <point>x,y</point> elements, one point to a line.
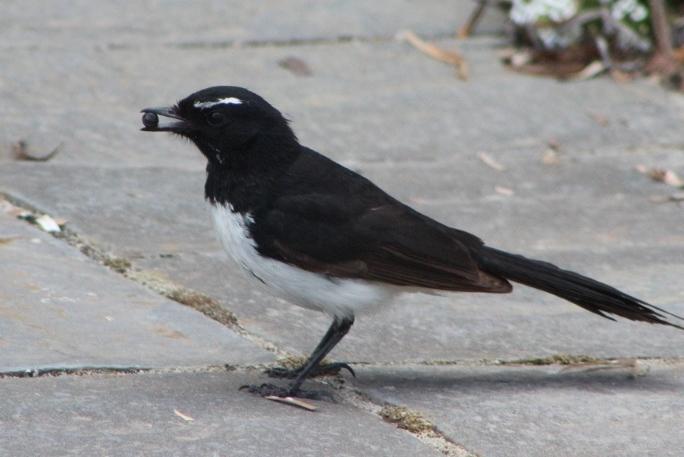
<point>338,297</point>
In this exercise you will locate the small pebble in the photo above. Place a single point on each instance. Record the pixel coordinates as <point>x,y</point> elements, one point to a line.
<point>150,120</point>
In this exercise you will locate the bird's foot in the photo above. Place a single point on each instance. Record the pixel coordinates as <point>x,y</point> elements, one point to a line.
<point>268,390</point>
<point>326,369</point>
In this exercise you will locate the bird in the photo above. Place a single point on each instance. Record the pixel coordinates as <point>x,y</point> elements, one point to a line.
<point>328,239</point>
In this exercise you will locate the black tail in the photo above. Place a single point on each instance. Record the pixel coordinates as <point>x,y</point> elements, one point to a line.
<point>591,295</point>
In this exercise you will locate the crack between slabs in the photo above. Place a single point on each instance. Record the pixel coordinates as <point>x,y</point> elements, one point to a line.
<point>407,420</point>
<point>200,302</point>
<point>247,43</point>
<point>39,372</point>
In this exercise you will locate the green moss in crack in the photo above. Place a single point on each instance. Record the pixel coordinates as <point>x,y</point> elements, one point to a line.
<point>405,418</point>
<point>556,359</point>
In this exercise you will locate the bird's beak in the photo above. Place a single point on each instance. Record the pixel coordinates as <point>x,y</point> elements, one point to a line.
<point>180,125</point>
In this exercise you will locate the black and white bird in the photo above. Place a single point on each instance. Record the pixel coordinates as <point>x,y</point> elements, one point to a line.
<point>326,238</point>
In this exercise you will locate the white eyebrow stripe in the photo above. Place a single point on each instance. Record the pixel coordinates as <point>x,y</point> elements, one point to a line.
<point>220,101</point>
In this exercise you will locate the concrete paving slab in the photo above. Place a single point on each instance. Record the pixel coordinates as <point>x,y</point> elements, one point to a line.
<point>160,223</point>
<point>76,73</point>
<point>524,324</point>
<point>543,411</point>
<point>134,415</point>
<point>59,309</point>
<point>105,23</point>
<point>356,91</point>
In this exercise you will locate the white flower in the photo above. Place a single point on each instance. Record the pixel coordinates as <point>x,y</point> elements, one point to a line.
<point>531,11</point>
<point>636,11</point>
<point>639,13</point>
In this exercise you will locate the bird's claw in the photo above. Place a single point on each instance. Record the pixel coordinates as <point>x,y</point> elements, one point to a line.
<point>268,390</point>
<point>330,369</point>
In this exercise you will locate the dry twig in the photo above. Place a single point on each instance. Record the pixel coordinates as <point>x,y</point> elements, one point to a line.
<point>292,401</point>
<point>185,417</point>
<point>21,152</point>
<point>468,28</point>
<point>491,161</point>
<point>437,53</point>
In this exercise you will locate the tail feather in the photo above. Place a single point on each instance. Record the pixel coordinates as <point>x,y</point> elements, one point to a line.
<point>592,295</point>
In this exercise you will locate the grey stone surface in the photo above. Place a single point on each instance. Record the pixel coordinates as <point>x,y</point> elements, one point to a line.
<point>592,214</point>
<point>75,73</point>
<point>59,309</point>
<point>365,103</point>
<point>544,411</point>
<point>134,415</point>
<point>105,23</point>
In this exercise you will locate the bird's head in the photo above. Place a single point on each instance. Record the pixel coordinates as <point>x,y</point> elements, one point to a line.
<point>222,121</point>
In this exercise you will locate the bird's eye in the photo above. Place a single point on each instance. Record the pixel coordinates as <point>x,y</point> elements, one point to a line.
<point>216,119</point>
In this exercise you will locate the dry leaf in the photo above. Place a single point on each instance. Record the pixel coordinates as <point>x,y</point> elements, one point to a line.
<point>669,177</point>
<point>593,69</point>
<point>295,65</point>
<point>518,59</point>
<point>490,161</point>
<point>293,402</point>
<point>185,417</point>
<point>504,191</point>
<point>663,175</point>
<point>437,53</point>
<point>48,224</point>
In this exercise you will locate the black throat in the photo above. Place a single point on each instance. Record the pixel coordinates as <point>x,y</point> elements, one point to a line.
<point>244,176</point>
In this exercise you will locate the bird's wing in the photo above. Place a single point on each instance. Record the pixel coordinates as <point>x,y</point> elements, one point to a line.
<point>387,242</point>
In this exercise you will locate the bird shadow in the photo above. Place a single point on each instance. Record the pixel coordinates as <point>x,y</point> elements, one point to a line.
<point>520,379</point>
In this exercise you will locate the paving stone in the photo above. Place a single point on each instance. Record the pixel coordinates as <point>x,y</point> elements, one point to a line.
<point>76,74</point>
<point>357,90</point>
<point>160,222</point>
<point>134,415</point>
<point>543,411</point>
<point>84,24</point>
<point>59,309</point>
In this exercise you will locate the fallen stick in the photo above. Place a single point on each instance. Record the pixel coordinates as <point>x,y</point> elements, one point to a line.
<point>437,53</point>
<point>468,28</point>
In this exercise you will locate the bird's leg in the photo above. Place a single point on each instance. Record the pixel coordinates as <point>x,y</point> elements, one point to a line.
<point>335,333</point>
<point>320,369</point>
<point>337,330</point>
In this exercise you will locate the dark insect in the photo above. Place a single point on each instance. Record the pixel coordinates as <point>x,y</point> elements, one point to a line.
<point>150,120</point>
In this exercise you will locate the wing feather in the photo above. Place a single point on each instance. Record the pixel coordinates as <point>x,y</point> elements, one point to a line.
<point>388,243</point>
